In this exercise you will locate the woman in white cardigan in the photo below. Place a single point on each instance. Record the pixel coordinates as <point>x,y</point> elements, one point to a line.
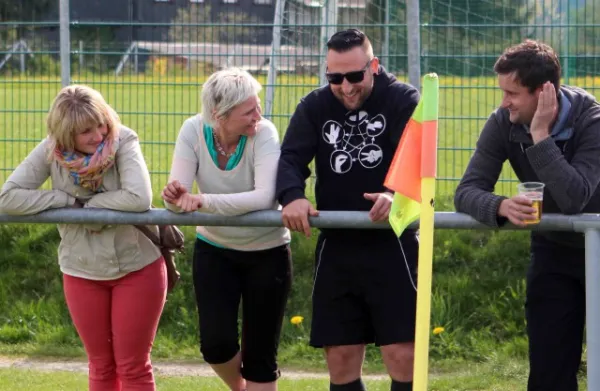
<point>231,152</point>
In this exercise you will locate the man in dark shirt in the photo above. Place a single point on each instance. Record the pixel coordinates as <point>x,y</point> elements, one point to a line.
<point>364,285</point>
<point>551,134</point>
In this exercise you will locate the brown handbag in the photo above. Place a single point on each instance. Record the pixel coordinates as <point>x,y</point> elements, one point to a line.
<point>169,240</point>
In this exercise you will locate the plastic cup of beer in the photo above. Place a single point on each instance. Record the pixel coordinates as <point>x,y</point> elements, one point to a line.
<point>535,192</point>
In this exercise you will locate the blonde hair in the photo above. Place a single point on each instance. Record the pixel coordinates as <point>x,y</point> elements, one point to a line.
<point>224,90</point>
<point>75,109</point>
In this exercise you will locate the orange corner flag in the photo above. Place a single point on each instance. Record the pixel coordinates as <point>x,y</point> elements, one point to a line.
<point>415,158</point>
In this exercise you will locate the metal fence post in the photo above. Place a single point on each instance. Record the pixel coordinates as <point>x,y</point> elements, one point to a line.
<point>564,35</point>
<point>65,43</point>
<point>386,35</point>
<point>275,51</point>
<point>329,17</point>
<point>81,62</point>
<point>592,298</point>
<point>22,57</point>
<point>136,67</point>
<point>413,32</point>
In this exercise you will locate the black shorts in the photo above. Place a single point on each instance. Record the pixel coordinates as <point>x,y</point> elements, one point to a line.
<point>364,289</point>
<point>261,280</point>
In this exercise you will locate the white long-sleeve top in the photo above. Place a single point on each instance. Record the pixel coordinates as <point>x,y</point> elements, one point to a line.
<point>248,187</point>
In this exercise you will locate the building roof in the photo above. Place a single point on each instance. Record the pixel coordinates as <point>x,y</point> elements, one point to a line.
<point>361,4</point>
<point>249,57</point>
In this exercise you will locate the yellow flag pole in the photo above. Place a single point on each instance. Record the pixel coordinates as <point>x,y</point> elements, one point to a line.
<point>426,227</point>
<point>421,369</point>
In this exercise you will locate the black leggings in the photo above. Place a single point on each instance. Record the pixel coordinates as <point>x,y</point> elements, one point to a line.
<point>262,280</point>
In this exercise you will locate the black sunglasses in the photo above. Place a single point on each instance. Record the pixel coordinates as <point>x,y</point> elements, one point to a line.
<point>352,77</point>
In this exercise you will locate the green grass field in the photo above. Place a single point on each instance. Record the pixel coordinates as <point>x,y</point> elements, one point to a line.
<point>157,106</point>
<point>494,375</point>
<point>477,297</point>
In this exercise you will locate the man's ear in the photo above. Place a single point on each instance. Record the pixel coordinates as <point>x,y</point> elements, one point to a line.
<point>374,65</point>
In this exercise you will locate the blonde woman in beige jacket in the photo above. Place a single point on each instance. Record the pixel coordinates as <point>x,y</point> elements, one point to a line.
<point>114,277</point>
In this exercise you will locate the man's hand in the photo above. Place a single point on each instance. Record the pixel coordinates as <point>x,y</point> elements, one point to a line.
<point>381,209</point>
<point>173,191</point>
<point>545,114</point>
<point>189,202</point>
<point>517,209</point>
<point>295,215</point>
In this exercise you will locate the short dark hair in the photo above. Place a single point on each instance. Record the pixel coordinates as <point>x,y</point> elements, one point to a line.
<point>346,40</point>
<point>533,62</point>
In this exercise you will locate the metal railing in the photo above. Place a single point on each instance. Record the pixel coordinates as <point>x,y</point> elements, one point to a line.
<point>588,224</point>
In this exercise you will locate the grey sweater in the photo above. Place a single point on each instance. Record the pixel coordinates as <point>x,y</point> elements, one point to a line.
<point>568,163</point>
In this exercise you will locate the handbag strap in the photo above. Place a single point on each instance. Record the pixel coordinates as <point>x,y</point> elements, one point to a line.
<point>149,234</point>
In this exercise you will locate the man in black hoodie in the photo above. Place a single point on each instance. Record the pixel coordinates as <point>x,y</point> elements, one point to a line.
<point>551,134</point>
<point>364,285</point>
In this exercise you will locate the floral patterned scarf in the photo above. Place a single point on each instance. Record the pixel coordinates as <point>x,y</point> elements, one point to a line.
<point>87,170</point>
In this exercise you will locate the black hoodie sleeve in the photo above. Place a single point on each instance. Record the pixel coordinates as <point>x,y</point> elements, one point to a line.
<point>298,149</point>
<point>474,195</point>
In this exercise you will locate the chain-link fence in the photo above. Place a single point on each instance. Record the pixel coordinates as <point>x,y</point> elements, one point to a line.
<point>149,58</point>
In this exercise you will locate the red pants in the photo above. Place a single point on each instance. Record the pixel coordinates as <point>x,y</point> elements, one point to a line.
<point>117,321</point>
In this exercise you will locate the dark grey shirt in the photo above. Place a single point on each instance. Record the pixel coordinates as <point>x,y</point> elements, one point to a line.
<point>568,163</point>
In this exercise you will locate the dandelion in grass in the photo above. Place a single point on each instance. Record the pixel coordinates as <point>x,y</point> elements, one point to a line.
<point>438,330</point>
<point>296,320</point>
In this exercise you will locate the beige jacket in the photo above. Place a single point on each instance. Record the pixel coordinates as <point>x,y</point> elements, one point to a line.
<point>96,252</point>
